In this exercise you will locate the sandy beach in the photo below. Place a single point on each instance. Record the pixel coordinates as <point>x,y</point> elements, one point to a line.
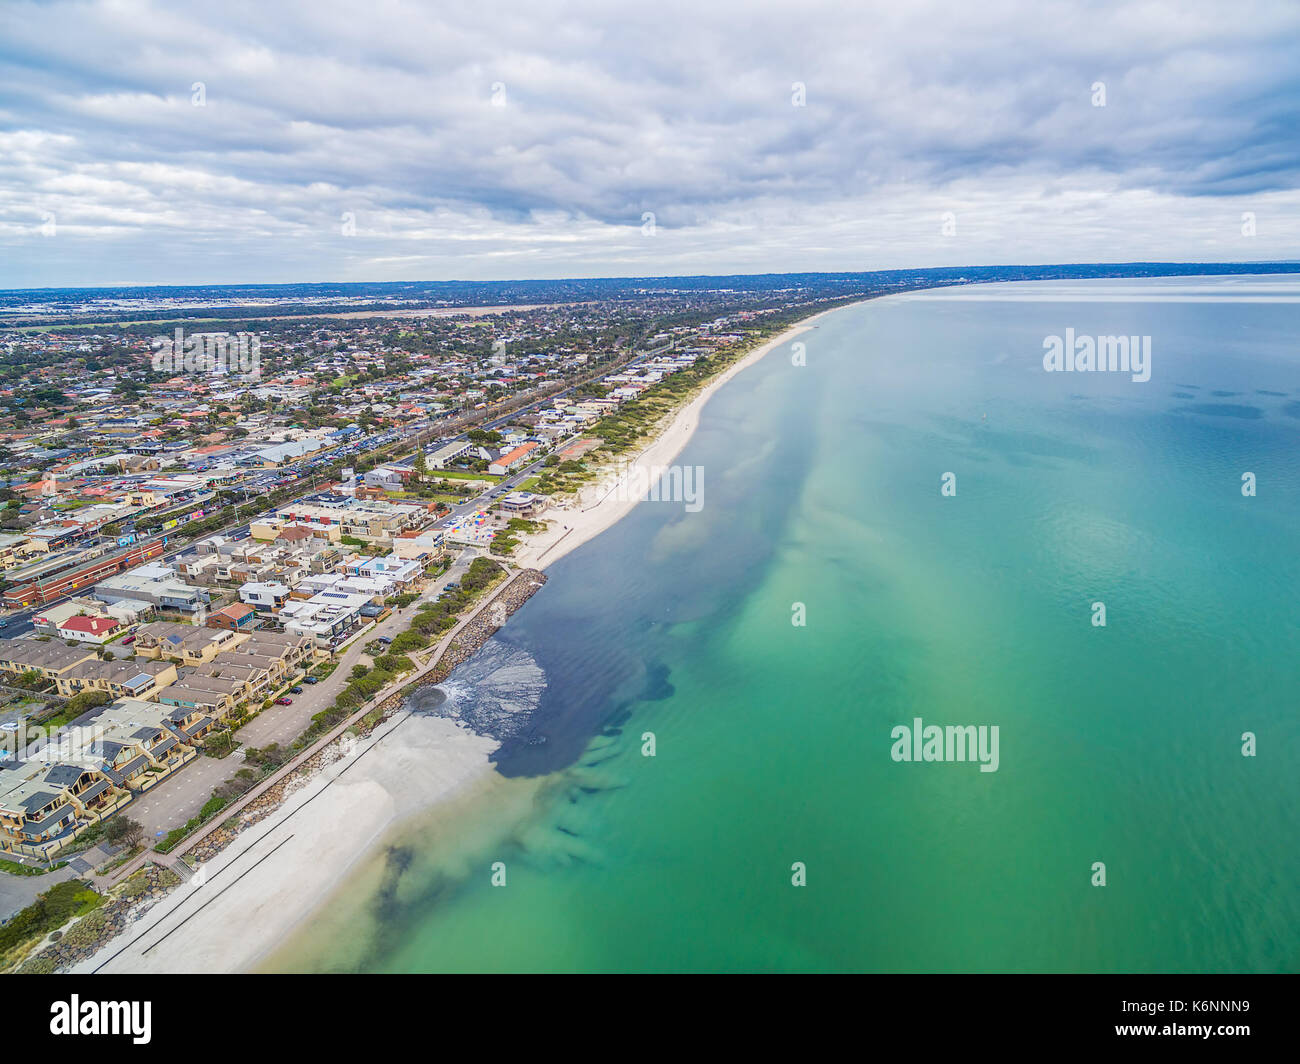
<point>252,895</point>
<point>264,893</point>
<point>601,504</point>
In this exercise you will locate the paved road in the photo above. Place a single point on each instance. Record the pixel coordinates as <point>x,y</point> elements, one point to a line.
<point>18,892</point>
<point>176,799</point>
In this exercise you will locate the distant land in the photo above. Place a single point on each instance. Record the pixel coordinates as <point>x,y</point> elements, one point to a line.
<point>104,305</point>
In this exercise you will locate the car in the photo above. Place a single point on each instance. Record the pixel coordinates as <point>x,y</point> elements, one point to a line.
<point>128,641</point>
<point>311,679</point>
<point>284,701</point>
<point>295,690</point>
<point>385,639</point>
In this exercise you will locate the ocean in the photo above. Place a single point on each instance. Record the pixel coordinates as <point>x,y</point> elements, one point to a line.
<point>918,522</point>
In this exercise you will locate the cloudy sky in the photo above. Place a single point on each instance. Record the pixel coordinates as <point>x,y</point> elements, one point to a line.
<point>280,141</point>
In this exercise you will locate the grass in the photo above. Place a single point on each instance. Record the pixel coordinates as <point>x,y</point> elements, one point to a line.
<point>456,474</point>
<point>16,869</point>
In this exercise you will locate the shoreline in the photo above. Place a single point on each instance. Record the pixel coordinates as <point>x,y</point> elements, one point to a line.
<point>571,525</point>
<point>253,895</point>
<point>253,900</point>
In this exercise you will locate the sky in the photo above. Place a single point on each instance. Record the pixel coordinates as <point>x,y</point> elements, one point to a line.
<point>242,142</point>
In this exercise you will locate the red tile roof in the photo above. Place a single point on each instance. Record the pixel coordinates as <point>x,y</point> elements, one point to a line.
<point>93,625</point>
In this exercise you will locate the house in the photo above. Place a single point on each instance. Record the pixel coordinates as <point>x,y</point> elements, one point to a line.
<point>324,618</point>
<point>97,630</point>
<point>418,546</point>
<point>388,478</point>
<point>237,617</point>
<point>266,597</point>
<point>89,772</point>
<point>44,807</point>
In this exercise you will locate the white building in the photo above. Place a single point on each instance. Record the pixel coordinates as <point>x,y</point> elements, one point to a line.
<point>325,618</point>
<point>264,596</point>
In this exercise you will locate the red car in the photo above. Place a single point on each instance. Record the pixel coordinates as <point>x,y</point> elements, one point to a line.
<point>284,701</point>
<point>128,641</point>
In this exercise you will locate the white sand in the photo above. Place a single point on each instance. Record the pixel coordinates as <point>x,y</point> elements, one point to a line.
<point>279,870</point>
<point>602,504</point>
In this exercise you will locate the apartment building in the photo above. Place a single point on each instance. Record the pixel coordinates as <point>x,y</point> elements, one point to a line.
<point>190,645</point>
<point>90,772</point>
<point>51,660</point>
<point>156,585</point>
<point>120,679</point>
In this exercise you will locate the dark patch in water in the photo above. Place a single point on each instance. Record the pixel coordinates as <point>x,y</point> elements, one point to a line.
<point>1265,391</point>
<point>1227,410</point>
<point>657,687</point>
<point>1183,395</point>
<point>1224,395</point>
<point>1291,409</point>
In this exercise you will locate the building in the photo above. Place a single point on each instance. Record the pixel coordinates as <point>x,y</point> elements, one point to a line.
<point>237,617</point>
<point>422,547</point>
<point>90,771</point>
<point>44,807</point>
<point>388,478</point>
<point>394,571</point>
<point>47,621</point>
<point>156,585</point>
<point>132,678</point>
<point>97,630</point>
<point>186,643</point>
<point>522,503</point>
<point>50,588</point>
<point>325,618</point>
<point>51,660</point>
<point>265,597</point>
<point>373,519</point>
<point>443,456</point>
<point>513,459</point>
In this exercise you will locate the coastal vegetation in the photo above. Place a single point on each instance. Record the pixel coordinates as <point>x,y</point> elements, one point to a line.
<point>62,902</point>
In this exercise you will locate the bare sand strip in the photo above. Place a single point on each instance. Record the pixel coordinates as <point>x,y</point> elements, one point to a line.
<point>602,505</point>
<point>252,895</point>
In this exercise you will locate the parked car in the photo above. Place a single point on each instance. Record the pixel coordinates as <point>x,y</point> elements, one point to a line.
<point>311,679</point>
<point>385,639</point>
<point>295,690</point>
<point>128,641</point>
<point>284,701</point>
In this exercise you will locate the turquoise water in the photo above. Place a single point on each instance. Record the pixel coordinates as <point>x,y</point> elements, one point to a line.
<point>1118,744</point>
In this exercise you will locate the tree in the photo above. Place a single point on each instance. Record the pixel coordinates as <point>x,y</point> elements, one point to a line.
<point>125,831</point>
<point>86,700</point>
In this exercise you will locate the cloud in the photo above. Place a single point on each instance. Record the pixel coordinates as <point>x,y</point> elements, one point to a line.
<point>475,140</point>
